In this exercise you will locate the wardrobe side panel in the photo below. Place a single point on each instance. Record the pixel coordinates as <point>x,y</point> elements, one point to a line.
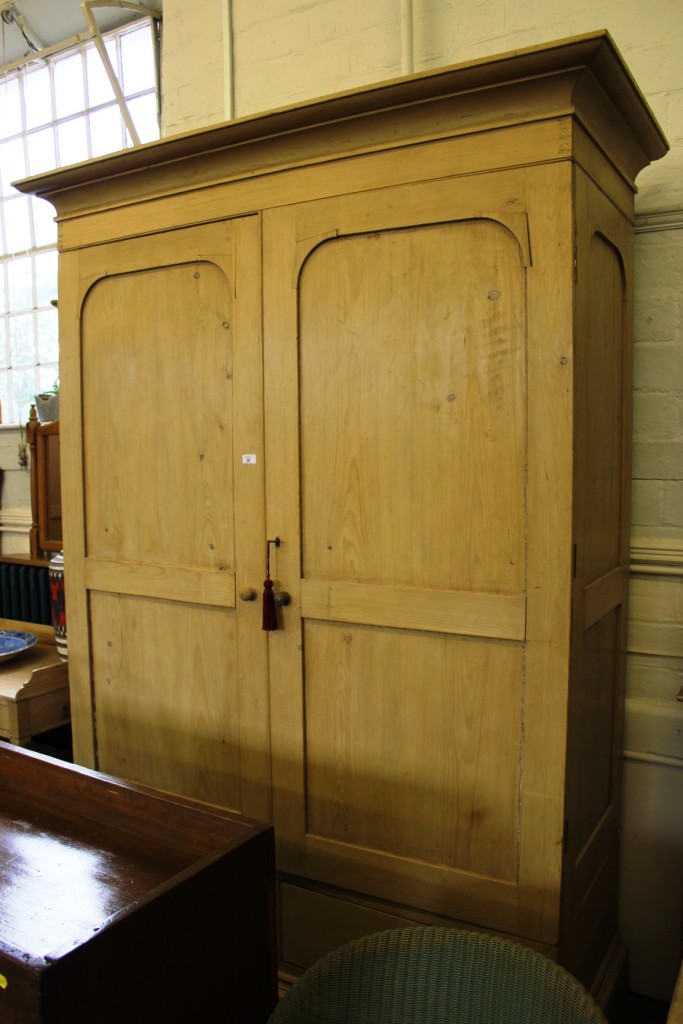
<point>602,407</point>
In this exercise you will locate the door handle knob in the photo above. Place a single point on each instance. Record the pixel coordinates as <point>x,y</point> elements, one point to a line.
<point>282,598</point>
<point>248,594</point>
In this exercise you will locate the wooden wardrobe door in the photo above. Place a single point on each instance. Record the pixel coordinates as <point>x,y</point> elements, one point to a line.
<point>173,512</point>
<point>400,771</point>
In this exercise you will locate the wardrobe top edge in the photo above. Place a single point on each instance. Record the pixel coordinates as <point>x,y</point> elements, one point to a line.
<point>595,52</point>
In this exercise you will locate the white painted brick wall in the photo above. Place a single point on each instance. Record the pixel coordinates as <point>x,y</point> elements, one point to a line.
<point>193,65</point>
<point>658,383</point>
<point>650,676</point>
<point>656,614</point>
<point>295,50</point>
<point>15,512</point>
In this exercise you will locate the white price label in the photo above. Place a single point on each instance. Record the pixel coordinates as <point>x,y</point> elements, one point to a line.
<point>249,460</point>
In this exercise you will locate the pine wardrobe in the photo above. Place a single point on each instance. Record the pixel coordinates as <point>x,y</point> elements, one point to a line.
<point>378,344</point>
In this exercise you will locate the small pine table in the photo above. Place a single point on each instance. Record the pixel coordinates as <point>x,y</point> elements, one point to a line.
<point>34,687</point>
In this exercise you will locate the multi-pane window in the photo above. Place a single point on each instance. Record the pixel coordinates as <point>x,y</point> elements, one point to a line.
<point>54,112</point>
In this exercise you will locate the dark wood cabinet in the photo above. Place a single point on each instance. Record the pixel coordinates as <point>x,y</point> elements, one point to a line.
<point>46,486</point>
<point>118,903</point>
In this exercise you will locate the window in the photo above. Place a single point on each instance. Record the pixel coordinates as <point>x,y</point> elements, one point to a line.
<point>53,112</point>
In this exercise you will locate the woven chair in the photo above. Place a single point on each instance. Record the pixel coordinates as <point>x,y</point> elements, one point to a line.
<point>426,975</point>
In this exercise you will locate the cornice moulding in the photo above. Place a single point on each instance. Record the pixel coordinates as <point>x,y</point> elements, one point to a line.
<point>657,558</point>
<point>659,220</point>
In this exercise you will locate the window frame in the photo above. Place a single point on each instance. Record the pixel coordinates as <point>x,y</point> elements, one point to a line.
<point>36,143</point>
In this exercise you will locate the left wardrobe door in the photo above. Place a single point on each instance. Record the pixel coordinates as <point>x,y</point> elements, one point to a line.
<point>165,517</point>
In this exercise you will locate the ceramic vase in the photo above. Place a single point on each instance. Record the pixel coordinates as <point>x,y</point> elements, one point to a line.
<point>57,603</point>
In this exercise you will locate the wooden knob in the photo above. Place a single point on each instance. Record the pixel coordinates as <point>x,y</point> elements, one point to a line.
<point>248,594</point>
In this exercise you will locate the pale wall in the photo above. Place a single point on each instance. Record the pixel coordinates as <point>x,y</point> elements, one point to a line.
<point>15,507</point>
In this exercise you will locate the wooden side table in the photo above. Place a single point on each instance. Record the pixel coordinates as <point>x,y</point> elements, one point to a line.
<point>34,687</point>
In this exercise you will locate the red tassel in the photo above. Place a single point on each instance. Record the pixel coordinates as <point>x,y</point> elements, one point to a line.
<point>269,611</point>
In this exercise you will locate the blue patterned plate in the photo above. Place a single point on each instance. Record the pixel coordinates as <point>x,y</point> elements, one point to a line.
<point>12,643</point>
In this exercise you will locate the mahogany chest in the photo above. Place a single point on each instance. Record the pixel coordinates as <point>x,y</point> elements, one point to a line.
<point>118,903</point>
